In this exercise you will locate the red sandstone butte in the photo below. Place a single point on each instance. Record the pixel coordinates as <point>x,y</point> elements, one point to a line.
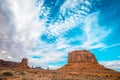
<point>11,64</point>
<point>85,61</point>
<point>82,56</point>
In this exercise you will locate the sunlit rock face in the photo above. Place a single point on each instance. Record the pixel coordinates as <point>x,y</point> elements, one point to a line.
<point>82,60</point>
<point>24,61</point>
<point>82,56</point>
<point>11,64</point>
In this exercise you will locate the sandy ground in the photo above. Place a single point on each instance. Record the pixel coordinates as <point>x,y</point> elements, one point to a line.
<point>34,74</point>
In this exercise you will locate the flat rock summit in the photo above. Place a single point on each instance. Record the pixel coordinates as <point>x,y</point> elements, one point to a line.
<point>84,61</point>
<point>82,56</point>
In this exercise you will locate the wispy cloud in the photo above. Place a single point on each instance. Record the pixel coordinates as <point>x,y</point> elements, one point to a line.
<point>21,29</point>
<point>115,64</point>
<point>110,46</point>
<point>94,32</point>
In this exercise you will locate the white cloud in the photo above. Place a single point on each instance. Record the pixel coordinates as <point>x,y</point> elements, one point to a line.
<point>26,20</point>
<point>5,55</point>
<point>94,32</point>
<point>23,39</point>
<point>76,6</point>
<point>47,56</point>
<point>111,64</point>
<point>7,31</point>
<point>113,45</point>
<point>76,16</point>
<point>20,26</point>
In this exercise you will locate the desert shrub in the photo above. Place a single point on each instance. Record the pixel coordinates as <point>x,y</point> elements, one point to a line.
<point>7,74</point>
<point>22,73</point>
<point>110,75</point>
<point>2,79</point>
<point>35,72</point>
<point>27,79</point>
<point>96,75</point>
<point>24,79</point>
<point>118,77</point>
<point>107,76</point>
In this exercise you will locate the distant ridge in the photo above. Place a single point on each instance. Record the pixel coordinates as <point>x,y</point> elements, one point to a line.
<point>11,64</point>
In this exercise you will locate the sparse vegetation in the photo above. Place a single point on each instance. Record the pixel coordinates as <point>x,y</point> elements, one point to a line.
<point>24,79</point>
<point>35,72</point>
<point>119,77</point>
<point>27,79</point>
<point>8,73</point>
<point>22,73</point>
<point>107,76</point>
<point>2,78</point>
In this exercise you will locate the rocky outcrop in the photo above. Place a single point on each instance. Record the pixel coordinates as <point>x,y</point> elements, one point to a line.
<point>11,64</point>
<point>82,56</point>
<point>83,60</point>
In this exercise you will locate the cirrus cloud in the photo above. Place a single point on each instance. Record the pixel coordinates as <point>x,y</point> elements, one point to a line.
<point>24,34</point>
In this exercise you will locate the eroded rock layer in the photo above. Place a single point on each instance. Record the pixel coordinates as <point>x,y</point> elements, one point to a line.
<point>83,60</point>
<point>82,56</point>
<point>11,64</point>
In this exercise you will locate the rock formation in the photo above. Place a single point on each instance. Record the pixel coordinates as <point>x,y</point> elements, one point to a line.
<point>85,61</point>
<point>81,57</point>
<point>11,64</point>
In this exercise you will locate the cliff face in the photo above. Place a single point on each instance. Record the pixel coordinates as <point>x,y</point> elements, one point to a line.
<point>81,57</point>
<point>10,64</point>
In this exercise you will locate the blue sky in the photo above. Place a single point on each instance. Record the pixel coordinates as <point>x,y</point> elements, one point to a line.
<point>45,31</point>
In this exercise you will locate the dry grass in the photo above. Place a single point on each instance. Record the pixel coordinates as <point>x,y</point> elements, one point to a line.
<point>7,73</point>
<point>31,74</point>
